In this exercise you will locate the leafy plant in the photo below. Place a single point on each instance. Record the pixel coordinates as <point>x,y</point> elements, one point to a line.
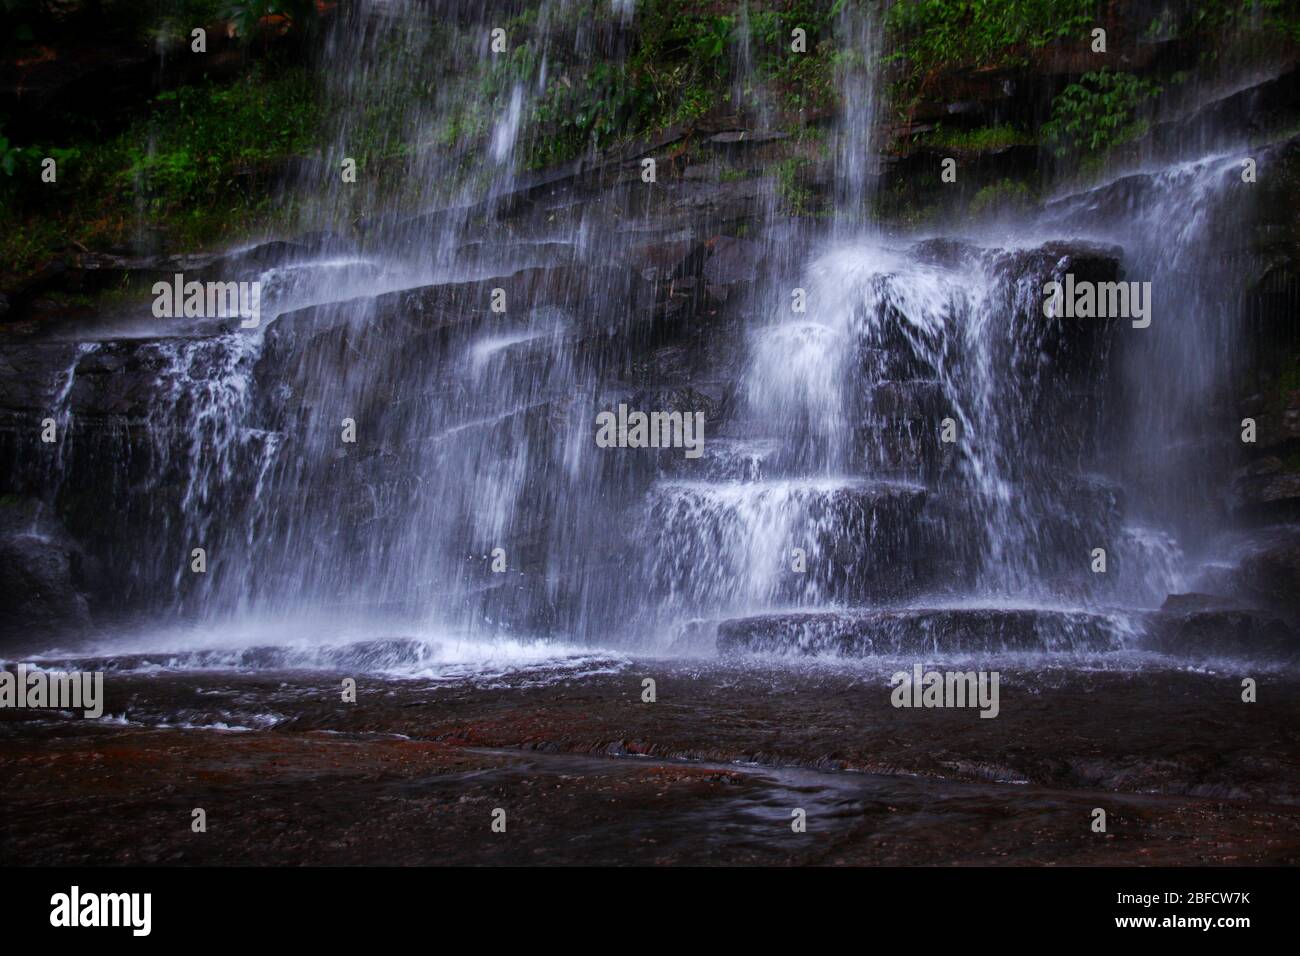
<point>1098,112</point>
<point>8,156</point>
<point>796,197</point>
<point>932,34</point>
<point>247,14</point>
<point>710,43</point>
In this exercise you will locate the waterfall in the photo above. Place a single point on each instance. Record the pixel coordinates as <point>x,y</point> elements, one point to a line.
<point>862,35</point>
<point>406,443</point>
<point>1179,424</point>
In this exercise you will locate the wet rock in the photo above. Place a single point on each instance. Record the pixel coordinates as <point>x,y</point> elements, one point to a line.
<point>489,256</point>
<point>1201,625</point>
<point>905,400</point>
<point>1076,350</point>
<point>1269,573</point>
<point>1279,423</point>
<point>858,538</point>
<point>706,207</point>
<point>988,166</point>
<point>245,263</point>
<point>41,572</point>
<point>733,261</point>
<point>715,400</point>
<point>668,259</point>
<point>862,633</point>
<point>1195,602</point>
<point>1266,488</point>
<point>742,137</point>
<point>899,425</point>
<point>328,341</point>
<point>729,459</point>
<point>941,251</point>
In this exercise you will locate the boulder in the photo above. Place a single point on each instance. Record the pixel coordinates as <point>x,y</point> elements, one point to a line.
<point>1267,488</point>
<point>1269,573</point>
<point>1206,626</point>
<point>42,572</point>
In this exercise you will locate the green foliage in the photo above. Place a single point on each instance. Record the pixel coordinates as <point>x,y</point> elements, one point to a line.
<point>1007,196</point>
<point>986,137</point>
<point>183,169</point>
<point>935,34</point>
<point>805,81</point>
<point>1288,382</point>
<point>712,38</point>
<point>1217,17</point>
<point>199,138</point>
<point>796,198</point>
<point>602,104</point>
<point>246,14</point>
<point>681,68</point>
<point>1281,16</point>
<point>8,155</point>
<point>1097,113</point>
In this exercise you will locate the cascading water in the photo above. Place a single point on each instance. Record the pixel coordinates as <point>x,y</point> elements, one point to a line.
<point>1051,454</point>
<point>862,33</point>
<point>391,451</point>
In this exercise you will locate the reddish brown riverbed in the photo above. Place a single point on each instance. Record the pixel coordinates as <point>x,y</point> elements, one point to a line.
<point>709,773</point>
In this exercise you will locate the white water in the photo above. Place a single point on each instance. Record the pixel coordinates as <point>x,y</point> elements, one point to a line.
<point>487,436</point>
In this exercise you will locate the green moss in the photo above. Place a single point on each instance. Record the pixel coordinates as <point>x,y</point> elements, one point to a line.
<point>1007,196</point>
<point>984,138</point>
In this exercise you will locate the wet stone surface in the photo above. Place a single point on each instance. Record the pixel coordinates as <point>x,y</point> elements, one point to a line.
<point>709,773</point>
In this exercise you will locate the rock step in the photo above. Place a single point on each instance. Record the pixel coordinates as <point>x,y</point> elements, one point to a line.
<point>730,543</point>
<point>864,633</point>
<point>1203,626</point>
<point>830,517</point>
<point>728,459</point>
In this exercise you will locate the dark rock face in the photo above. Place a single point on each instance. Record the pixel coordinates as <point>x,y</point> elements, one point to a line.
<point>862,633</point>
<point>1198,626</point>
<point>1280,424</point>
<point>1077,350</point>
<point>1269,574</point>
<point>147,424</point>
<point>43,574</point>
<point>734,261</point>
<point>670,258</point>
<point>1266,488</point>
